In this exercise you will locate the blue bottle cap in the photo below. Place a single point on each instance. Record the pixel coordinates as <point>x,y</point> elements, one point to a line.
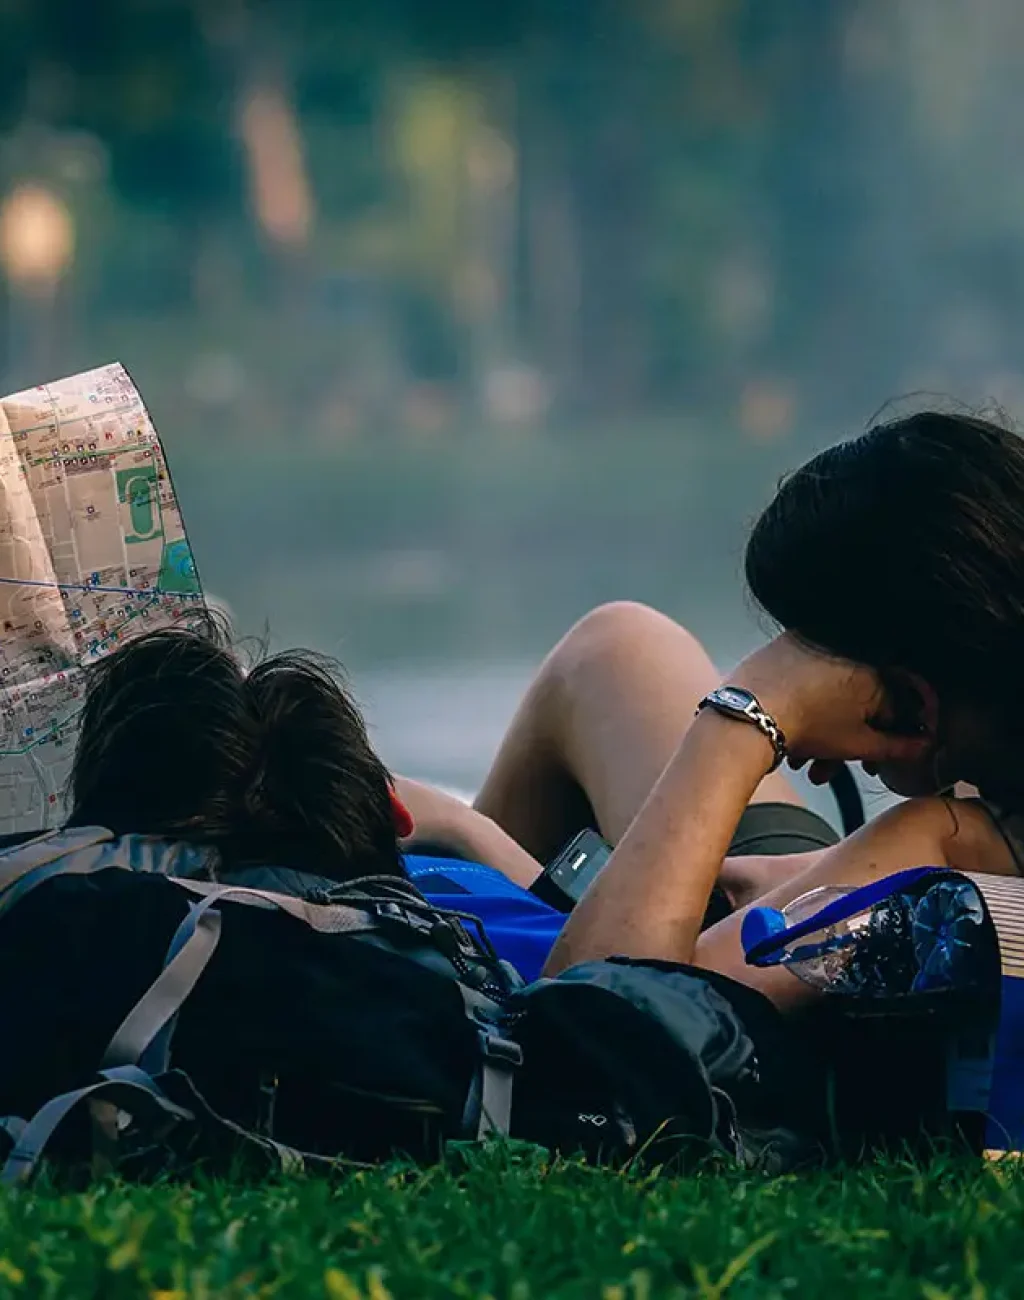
<point>759,924</point>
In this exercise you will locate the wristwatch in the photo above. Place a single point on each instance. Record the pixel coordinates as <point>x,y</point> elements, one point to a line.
<point>736,702</point>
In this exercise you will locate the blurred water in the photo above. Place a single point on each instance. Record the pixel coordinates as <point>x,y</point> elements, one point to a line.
<point>442,724</point>
<point>441,580</point>
<point>445,726</point>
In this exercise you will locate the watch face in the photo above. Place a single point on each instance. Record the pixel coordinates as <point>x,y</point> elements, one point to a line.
<point>733,697</point>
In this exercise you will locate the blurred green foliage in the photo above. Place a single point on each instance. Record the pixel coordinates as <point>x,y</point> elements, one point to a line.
<point>525,213</point>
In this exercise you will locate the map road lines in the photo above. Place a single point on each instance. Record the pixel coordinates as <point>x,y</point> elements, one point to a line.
<point>93,551</point>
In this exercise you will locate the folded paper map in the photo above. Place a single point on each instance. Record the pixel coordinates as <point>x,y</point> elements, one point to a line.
<point>92,552</point>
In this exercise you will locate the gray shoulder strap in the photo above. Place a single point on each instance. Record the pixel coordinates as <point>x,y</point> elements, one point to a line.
<point>501,1059</point>
<point>86,851</point>
<point>27,864</point>
<point>133,1088</point>
<point>489,1103</point>
<point>129,1089</point>
<point>13,1126</point>
<point>187,958</point>
<point>146,1030</point>
<point>328,918</point>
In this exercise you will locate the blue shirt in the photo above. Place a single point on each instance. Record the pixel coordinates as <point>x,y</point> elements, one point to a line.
<point>521,927</point>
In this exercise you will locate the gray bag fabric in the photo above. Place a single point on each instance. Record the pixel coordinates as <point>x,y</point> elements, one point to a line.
<point>668,1060</point>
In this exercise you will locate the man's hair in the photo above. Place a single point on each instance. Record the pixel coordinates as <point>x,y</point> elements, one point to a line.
<point>273,766</point>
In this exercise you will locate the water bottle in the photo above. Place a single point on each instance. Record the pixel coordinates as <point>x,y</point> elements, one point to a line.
<point>927,936</point>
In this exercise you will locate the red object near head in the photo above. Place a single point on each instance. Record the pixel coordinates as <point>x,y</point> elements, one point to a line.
<point>404,824</point>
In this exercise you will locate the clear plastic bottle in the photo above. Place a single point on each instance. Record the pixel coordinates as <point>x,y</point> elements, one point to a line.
<point>913,940</point>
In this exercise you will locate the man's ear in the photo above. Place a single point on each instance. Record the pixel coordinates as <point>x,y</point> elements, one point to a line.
<point>402,817</point>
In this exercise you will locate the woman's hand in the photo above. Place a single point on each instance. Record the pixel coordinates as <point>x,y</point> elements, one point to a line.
<point>829,709</point>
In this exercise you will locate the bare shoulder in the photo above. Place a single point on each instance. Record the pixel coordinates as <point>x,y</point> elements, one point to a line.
<point>983,838</point>
<point>959,833</point>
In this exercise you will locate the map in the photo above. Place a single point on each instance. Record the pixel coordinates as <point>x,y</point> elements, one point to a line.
<point>92,551</point>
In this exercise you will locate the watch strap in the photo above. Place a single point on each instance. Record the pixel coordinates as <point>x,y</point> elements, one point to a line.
<point>754,714</point>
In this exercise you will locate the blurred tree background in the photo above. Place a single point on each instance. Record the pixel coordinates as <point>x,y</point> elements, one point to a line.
<point>462,316</point>
<point>421,218</point>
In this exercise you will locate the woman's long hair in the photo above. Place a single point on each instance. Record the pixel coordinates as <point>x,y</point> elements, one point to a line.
<point>903,550</point>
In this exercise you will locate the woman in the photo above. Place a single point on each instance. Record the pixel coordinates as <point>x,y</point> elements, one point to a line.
<point>895,565</point>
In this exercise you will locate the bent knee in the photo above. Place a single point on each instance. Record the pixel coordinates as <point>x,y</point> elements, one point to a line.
<point>624,622</point>
<point>627,634</point>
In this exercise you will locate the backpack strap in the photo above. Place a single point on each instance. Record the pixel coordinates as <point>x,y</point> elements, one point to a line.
<point>27,865</point>
<point>13,1126</point>
<point>488,1108</point>
<point>132,1087</point>
<point>144,1035</point>
<point>50,844</point>
<point>192,946</point>
<point>78,851</point>
<point>357,910</point>
<point>327,918</point>
<point>500,1060</point>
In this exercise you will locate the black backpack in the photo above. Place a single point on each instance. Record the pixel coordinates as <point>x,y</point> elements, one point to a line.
<point>153,1022</point>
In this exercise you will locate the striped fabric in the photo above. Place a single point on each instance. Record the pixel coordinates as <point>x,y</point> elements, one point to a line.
<point>1004,897</point>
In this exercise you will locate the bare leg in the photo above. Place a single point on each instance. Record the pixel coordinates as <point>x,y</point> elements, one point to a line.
<point>594,731</point>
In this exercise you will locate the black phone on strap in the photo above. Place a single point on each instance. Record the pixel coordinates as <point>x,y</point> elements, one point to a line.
<point>565,879</point>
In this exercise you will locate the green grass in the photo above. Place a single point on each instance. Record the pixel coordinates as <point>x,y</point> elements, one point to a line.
<point>515,1227</point>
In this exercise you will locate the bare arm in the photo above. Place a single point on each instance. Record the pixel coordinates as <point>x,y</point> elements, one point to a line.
<point>650,899</point>
<point>746,877</point>
<point>443,819</point>
<point>922,832</point>
<point>651,896</point>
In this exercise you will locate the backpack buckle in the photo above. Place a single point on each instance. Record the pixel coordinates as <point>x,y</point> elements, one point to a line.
<point>503,1051</point>
<point>396,914</point>
<point>501,1059</point>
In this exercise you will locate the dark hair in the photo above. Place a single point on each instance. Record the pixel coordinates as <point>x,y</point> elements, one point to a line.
<point>904,549</point>
<point>272,767</point>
